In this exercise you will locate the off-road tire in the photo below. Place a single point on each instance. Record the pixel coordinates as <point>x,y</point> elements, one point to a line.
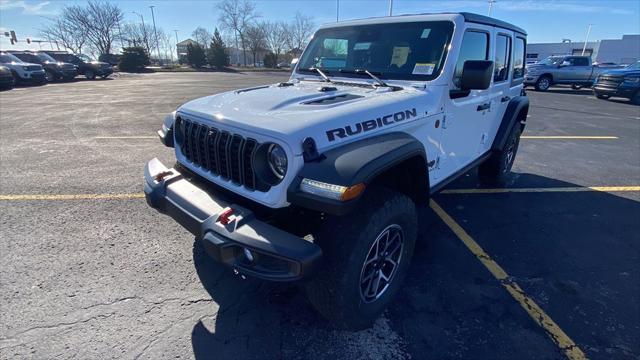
<point>346,242</point>
<point>543,83</point>
<point>601,96</point>
<point>496,169</point>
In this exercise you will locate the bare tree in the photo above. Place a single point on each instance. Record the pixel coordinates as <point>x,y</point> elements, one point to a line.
<point>256,39</point>
<point>237,16</point>
<point>138,34</point>
<point>275,36</point>
<point>63,33</point>
<point>99,19</point>
<point>202,36</point>
<point>299,32</point>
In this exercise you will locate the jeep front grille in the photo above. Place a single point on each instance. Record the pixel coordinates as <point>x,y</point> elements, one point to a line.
<point>219,152</point>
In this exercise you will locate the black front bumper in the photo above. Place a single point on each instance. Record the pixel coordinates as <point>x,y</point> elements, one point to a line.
<point>273,254</point>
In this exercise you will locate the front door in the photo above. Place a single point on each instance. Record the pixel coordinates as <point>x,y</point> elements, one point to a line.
<point>467,118</point>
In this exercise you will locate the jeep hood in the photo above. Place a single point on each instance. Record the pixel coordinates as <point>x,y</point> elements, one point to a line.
<point>304,109</point>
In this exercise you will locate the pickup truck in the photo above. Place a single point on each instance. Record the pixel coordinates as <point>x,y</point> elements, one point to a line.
<point>577,71</point>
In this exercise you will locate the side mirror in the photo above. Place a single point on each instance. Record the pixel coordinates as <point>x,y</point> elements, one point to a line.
<point>294,61</point>
<point>476,75</point>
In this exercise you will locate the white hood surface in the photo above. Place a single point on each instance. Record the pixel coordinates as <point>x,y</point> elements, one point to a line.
<point>291,113</point>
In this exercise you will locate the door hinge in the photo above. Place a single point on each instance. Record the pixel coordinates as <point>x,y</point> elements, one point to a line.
<point>444,121</point>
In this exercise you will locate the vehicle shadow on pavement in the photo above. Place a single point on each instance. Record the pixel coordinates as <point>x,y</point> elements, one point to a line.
<point>566,249</point>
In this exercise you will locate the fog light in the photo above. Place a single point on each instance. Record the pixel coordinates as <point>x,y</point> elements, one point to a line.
<point>248,254</point>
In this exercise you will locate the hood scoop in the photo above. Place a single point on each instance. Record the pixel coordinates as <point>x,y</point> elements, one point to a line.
<point>333,99</point>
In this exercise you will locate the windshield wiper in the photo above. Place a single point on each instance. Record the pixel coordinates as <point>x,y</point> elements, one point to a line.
<point>324,76</point>
<point>371,74</point>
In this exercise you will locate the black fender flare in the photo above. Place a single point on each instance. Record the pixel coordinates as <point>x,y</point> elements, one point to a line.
<point>357,162</point>
<point>509,120</point>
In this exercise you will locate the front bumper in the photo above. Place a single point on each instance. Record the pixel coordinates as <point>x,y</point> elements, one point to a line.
<point>621,90</point>
<point>530,79</point>
<point>274,254</point>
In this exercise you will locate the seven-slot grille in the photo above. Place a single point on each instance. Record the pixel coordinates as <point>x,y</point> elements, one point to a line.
<point>227,155</point>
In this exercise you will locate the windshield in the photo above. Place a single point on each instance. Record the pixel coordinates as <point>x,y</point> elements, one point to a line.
<point>552,60</point>
<point>403,51</point>
<point>635,66</point>
<point>8,58</point>
<point>45,57</point>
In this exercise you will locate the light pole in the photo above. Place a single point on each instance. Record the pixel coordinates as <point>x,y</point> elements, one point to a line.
<point>177,55</point>
<point>390,7</point>
<point>337,10</point>
<point>584,48</point>
<point>155,33</point>
<point>491,2</point>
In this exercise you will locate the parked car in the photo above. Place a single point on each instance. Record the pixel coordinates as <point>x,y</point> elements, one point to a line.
<point>86,66</point>
<point>410,104</point>
<point>54,70</point>
<point>284,65</point>
<point>576,71</point>
<point>6,78</point>
<point>23,71</point>
<point>619,83</point>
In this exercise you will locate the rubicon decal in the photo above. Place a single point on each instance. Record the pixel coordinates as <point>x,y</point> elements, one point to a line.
<point>369,125</point>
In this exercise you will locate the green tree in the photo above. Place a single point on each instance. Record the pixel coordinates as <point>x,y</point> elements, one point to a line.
<point>217,52</point>
<point>195,55</point>
<point>134,59</point>
<point>270,60</point>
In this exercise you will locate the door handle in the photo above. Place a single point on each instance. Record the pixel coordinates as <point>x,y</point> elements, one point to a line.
<point>505,99</point>
<point>485,106</point>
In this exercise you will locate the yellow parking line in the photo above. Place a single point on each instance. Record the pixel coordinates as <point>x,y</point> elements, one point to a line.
<point>559,337</point>
<point>535,137</point>
<point>125,137</point>
<point>70,197</point>
<point>543,190</point>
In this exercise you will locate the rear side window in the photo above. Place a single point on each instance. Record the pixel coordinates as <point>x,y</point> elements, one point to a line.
<point>475,46</point>
<point>503,57</point>
<point>518,58</point>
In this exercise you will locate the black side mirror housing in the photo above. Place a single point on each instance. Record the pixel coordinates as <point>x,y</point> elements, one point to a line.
<point>476,75</point>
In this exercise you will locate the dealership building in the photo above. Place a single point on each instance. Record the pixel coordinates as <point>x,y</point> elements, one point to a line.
<point>619,51</point>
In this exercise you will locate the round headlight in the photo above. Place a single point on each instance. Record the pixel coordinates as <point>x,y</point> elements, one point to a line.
<point>277,160</point>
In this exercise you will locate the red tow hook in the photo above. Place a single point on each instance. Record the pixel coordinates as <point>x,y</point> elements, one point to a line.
<point>160,176</point>
<point>225,217</point>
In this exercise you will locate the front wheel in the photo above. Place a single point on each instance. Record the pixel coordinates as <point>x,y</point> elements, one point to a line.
<point>89,74</point>
<point>543,83</point>
<point>366,258</point>
<point>576,87</point>
<point>495,170</point>
<point>636,98</point>
<point>602,96</point>
<point>49,76</point>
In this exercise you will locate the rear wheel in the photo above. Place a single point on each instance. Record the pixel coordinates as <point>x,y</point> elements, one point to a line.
<point>602,96</point>
<point>543,83</point>
<point>495,170</point>
<point>576,87</point>
<point>366,258</point>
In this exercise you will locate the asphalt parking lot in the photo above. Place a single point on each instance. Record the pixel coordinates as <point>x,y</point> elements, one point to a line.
<point>88,271</point>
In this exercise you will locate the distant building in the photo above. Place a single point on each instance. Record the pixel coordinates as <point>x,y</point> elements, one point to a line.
<point>619,51</point>
<point>181,49</point>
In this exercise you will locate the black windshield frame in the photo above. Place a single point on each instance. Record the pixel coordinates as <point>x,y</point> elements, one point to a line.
<point>429,49</point>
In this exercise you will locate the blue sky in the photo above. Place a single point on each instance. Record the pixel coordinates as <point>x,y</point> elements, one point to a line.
<point>545,20</point>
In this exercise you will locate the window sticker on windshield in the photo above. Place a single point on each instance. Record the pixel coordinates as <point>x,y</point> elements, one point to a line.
<point>362,46</point>
<point>400,55</point>
<point>423,69</point>
<point>425,33</point>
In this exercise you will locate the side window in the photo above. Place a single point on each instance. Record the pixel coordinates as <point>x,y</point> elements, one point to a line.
<point>503,57</point>
<point>475,46</point>
<point>581,61</point>
<point>518,58</point>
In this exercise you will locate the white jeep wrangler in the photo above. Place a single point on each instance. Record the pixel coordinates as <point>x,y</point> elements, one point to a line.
<point>317,179</point>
